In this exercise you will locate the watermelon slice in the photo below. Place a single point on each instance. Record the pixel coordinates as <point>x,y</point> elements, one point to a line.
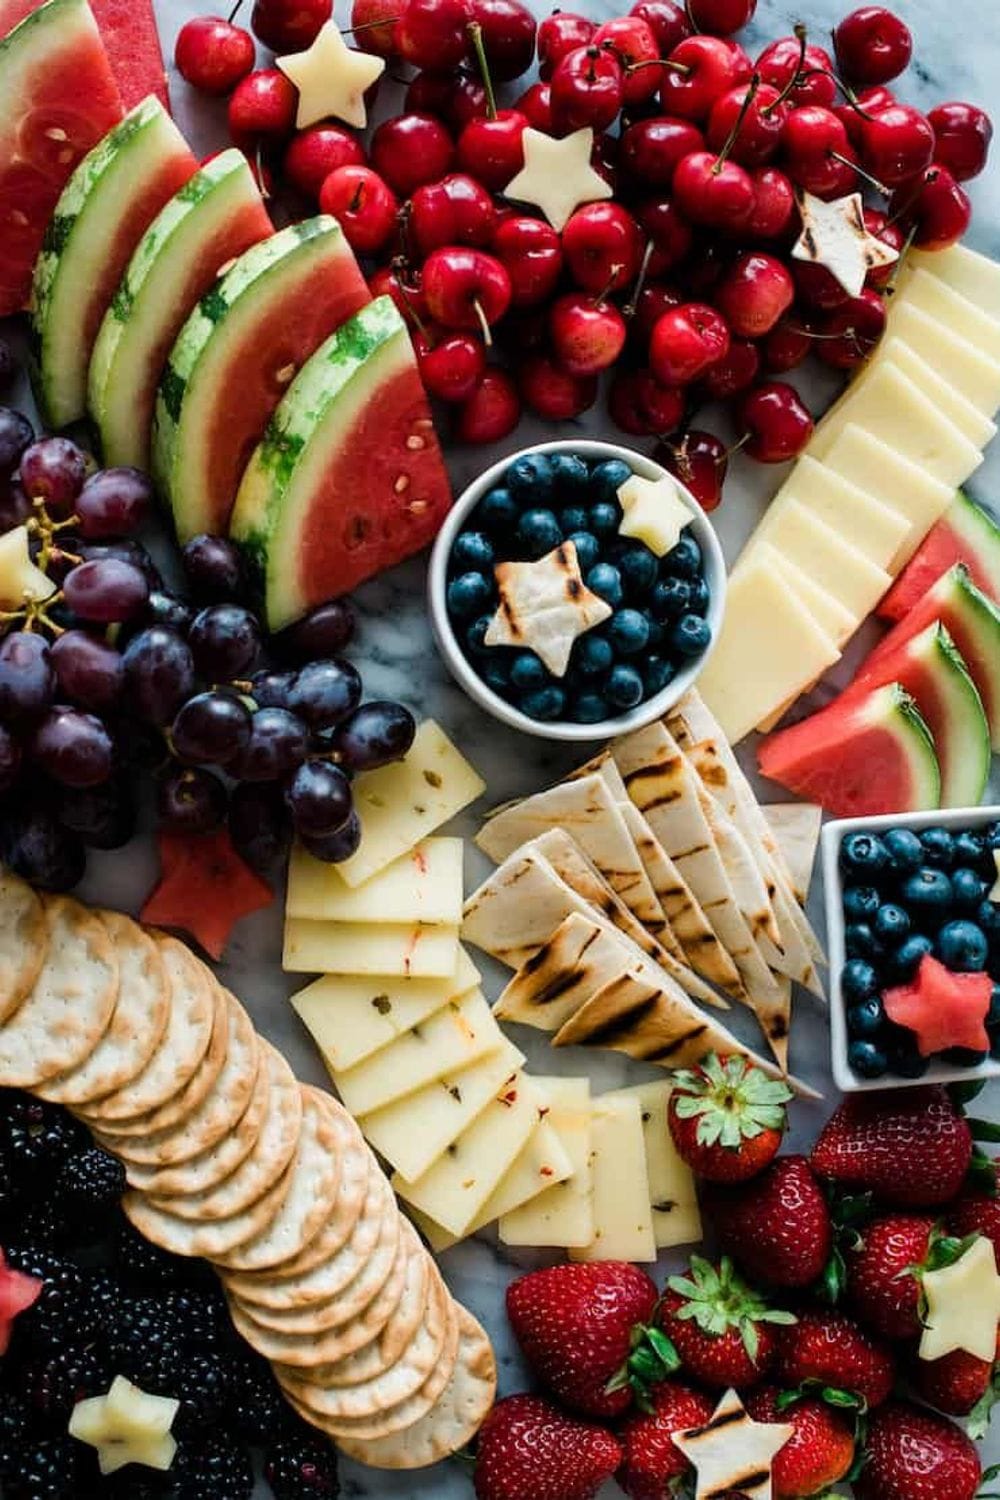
<point>105,208</point>
<point>128,30</point>
<point>864,755</point>
<point>973,622</point>
<point>965,533</point>
<point>349,478</point>
<point>933,673</point>
<point>250,334</point>
<point>57,99</point>
<point>204,888</point>
<point>217,215</point>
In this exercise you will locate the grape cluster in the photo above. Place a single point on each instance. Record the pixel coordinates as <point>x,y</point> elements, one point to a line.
<point>116,673</point>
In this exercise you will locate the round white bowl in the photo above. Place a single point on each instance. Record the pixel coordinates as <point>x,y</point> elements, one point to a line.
<point>462,669</point>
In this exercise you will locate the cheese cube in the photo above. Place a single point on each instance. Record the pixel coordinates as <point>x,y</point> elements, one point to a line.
<point>830,615</point>
<point>409,951</point>
<point>623,1220</point>
<point>830,559</point>
<point>563,1215</point>
<point>897,481</point>
<point>874,528</point>
<point>672,1195</point>
<point>400,804</point>
<point>449,1040</point>
<point>423,886</point>
<point>966,271</point>
<point>918,288</point>
<point>973,424</point>
<point>351,1017</point>
<point>971,371</point>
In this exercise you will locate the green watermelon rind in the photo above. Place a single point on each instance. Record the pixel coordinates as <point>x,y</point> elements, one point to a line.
<point>223,306</point>
<point>977,534</point>
<point>968,721</point>
<point>57,13</point>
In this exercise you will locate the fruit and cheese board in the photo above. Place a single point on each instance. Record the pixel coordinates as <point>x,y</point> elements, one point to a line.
<point>499,681</point>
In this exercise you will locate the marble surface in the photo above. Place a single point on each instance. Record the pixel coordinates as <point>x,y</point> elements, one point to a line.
<point>397,658</point>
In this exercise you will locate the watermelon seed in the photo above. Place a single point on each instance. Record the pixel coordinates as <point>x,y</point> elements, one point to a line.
<point>414,442</point>
<point>402,483</point>
<point>285,374</point>
<point>56,133</point>
<point>417,507</point>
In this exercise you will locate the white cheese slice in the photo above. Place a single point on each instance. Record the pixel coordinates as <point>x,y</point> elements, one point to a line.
<point>446,1042</point>
<point>562,1216</point>
<point>972,423</point>
<point>966,271</point>
<point>830,615</point>
<point>402,803</point>
<point>796,826</point>
<point>829,557</point>
<point>919,288</point>
<point>874,528</point>
<point>422,886</point>
<point>971,371</point>
<point>672,1195</point>
<point>409,951</point>
<point>895,480</point>
<point>623,1219</point>
<point>351,1016</point>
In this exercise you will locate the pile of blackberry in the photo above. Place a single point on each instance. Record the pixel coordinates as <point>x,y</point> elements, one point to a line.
<point>112,1304</point>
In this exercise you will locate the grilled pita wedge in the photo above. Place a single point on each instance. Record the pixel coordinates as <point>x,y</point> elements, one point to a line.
<point>579,959</point>
<point>796,827</point>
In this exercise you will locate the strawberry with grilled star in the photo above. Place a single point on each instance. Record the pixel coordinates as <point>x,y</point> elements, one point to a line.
<point>721,1327</point>
<point>727,1118</point>
<point>777,1226</point>
<point>827,1349</point>
<point>653,1465</point>
<point>529,1450</point>
<point>820,1450</point>
<point>911,1148</point>
<point>912,1454</point>
<point>883,1273</point>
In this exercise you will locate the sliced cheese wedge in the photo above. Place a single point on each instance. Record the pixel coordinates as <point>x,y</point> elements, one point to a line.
<point>830,615</point>
<point>561,1217</point>
<point>897,481</point>
<point>796,826</point>
<point>672,1196</point>
<point>932,295</point>
<point>411,952</point>
<point>876,529</point>
<point>422,886</point>
<point>897,354</point>
<point>623,1220</point>
<point>966,271</point>
<point>971,371</point>
<point>829,557</point>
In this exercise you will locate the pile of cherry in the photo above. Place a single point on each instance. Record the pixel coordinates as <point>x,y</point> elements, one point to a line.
<point>682,283</point>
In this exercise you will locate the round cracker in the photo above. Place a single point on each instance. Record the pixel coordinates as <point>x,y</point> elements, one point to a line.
<point>23,941</point>
<point>379,1354</point>
<point>137,1024</point>
<point>196,1090</point>
<point>58,1025</point>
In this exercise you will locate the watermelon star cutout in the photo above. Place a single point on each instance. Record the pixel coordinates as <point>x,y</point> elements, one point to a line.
<point>204,889</point>
<point>331,79</point>
<point>732,1452</point>
<point>963,1305</point>
<point>18,1292</point>
<point>557,175</point>
<point>942,1009</point>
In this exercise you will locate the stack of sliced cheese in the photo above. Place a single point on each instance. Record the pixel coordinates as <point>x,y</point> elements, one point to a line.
<point>882,467</point>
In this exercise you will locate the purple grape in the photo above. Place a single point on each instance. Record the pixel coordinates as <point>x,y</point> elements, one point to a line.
<point>114,503</point>
<point>332,848</point>
<point>214,568</point>
<point>16,435</point>
<point>90,673</point>
<point>42,851</point>
<point>224,641</point>
<point>323,633</point>
<point>8,364</point>
<point>278,744</point>
<point>164,608</point>
<point>107,591</point>
<point>10,759</point>
<point>104,816</point>
<point>15,507</point>
<point>259,823</point>
<point>211,728</point>
<point>159,671</point>
<point>325,692</point>
<point>191,800</point>
<point>139,744</point>
<point>374,735</point>
<point>126,549</point>
<point>319,798</point>
<point>27,677</point>
<point>73,747</point>
<point>270,689</point>
<point>53,470</point>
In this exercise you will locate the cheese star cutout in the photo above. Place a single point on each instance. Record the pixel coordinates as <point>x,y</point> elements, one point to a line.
<point>544,606</point>
<point>963,1305</point>
<point>654,512</point>
<point>331,79</point>
<point>732,1451</point>
<point>994,894</point>
<point>127,1426</point>
<point>834,235</point>
<point>557,176</point>
<point>20,580</point>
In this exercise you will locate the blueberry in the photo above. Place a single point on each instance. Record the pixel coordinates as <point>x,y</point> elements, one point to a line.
<point>670,598</point>
<point>991,836</point>
<point>628,631</point>
<point>529,479</point>
<point>903,964</point>
<point>866,1019</point>
<point>861,902</point>
<point>858,981</point>
<point>659,673</point>
<point>939,848</point>
<point>905,850</point>
<point>962,946</point>
<point>468,595</point>
<point>968,888</point>
<point>690,636</point>
<point>863,854</point>
<point>684,560</point>
<point>546,704</point>
<point>700,596</point>
<point>969,847</point>
<point>473,550</point>
<point>892,924</point>
<point>905,1059</point>
<point>860,941</point>
<point>657,634</point>
<point>604,519</point>
<point>476,634</point>
<point>570,476</point>
<point>527,672</point>
<point>605,580</point>
<point>993,1014</point>
<point>496,676</point>
<point>607,478</point>
<point>987,916</point>
<point>927,890</point>
<point>593,656</point>
<point>573,518</point>
<point>867,1060</point>
<point>498,512</point>
<point>589,708</point>
<point>588,549</point>
<point>623,688</point>
<point>538,532</point>
<point>963,1057</point>
<point>637,565</point>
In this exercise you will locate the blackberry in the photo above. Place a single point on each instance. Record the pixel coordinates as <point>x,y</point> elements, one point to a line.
<point>43,1224</point>
<point>13,1428</point>
<point>144,1265</point>
<point>144,1346</point>
<point>54,1382</point>
<point>63,1313</point>
<point>204,1390</point>
<point>103,1291</point>
<point>199,1316</point>
<point>89,1185</point>
<point>257,1409</point>
<point>133,1483</point>
<point>303,1467</point>
<point>213,1468</point>
<point>35,1139</point>
<point>45,1470</point>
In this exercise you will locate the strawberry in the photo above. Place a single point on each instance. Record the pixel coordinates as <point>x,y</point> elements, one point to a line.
<point>652,1462</point>
<point>820,1450</point>
<point>529,1450</point>
<point>830,1350</point>
<point>911,1148</point>
<point>778,1226</point>
<point>579,1327</point>
<point>727,1118</point>
<point>954,1384</point>
<point>721,1328</point>
<point>914,1455</point>
<point>883,1273</point>
<point>976,1211</point>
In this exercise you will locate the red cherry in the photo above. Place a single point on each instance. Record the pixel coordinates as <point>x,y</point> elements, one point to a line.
<point>809,75</point>
<point>700,461</point>
<point>604,157</point>
<point>470,101</point>
<point>759,133</point>
<point>588,333</point>
<point>786,346</point>
<point>434,33</point>
<point>410,150</point>
<point>491,412</point>
<point>685,341</point>
<point>667,20</point>
<point>289,25</point>
<point>561,32</point>
<point>552,392</point>
<point>465,288</point>
<point>602,246</point>
<point>936,209</point>
<point>671,235</point>
<point>873,45</point>
<point>640,406</point>
<point>721,17</point>
<point>455,97</point>
<point>853,112</point>
<point>391,281</point>
<point>373,23</point>
<point>314,153</point>
<point>733,374</point>
<point>777,423</point>
<point>818,154</point>
<point>492,149</point>
<point>531,251</point>
<point>962,135</point>
<point>535,104</point>
<point>774,207</point>
<point>654,299</point>
<point>699,70</point>
<point>754,294</point>
<point>454,211</point>
<point>710,259</point>
<point>850,333</point>
<point>897,143</point>
<point>634,44</point>
<point>878,224</point>
<point>451,364</point>
<point>213,55</point>
<point>817,287</point>
<point>587,89</point>
<point>363,204</point>
<point>652,149</point>
<point>508,29</point>
<point>263,107</point>
<point>710,191</point>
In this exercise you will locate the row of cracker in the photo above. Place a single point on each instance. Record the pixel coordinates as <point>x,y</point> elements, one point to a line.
<point>230,1158</point>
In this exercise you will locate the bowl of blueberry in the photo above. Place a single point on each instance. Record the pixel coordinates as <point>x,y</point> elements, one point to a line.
<point>913,921</point>
<point>576,590</point>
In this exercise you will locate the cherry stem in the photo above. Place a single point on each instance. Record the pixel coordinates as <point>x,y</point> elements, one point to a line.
<point>479,47</point>
<point>891,284</point>
<point>483,322</point>
<point>408,302</point>
<point>738,123</point>
<point>735,448</point>
<point>259,173</point>
<point>684,69</point>
<point>367,25</point>
<point>872,182</point>
<point>629,310</point>
<point>797,76</point>
<point>235,12</point>
<point>598,297</point>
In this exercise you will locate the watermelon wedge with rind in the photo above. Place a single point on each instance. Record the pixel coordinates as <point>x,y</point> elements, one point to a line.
<point>250,333</point>
<point>864,756</point>
<point>973,622</point>
<point>131,39</point>
<point>57,99</point>
<point>103,212</point>
<point>966,533</point>
<point>214,217</point>
<point>349,478</point>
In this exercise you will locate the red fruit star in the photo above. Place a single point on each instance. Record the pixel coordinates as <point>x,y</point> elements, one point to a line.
<point>18,1292</point>
<point>204,889</point>
<point>942,1009</point>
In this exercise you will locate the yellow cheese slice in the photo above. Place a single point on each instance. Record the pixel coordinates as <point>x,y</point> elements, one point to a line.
<point>561,1217</point>
<point>422,886</point>
<point>966,271</point>
<point>623,1219</point>
<point>874,528</point>
<point>971,371</point>
<point>897,481</point>
<point>972,423</point>
<point>409,951</point>
<point>672,1196</point>
<point>830,558</point>
<point>919,288</point>
<point>830,615</point>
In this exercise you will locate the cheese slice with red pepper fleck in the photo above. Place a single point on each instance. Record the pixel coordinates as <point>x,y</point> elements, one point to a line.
<point>407,950</point>
<point>422,886</point>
